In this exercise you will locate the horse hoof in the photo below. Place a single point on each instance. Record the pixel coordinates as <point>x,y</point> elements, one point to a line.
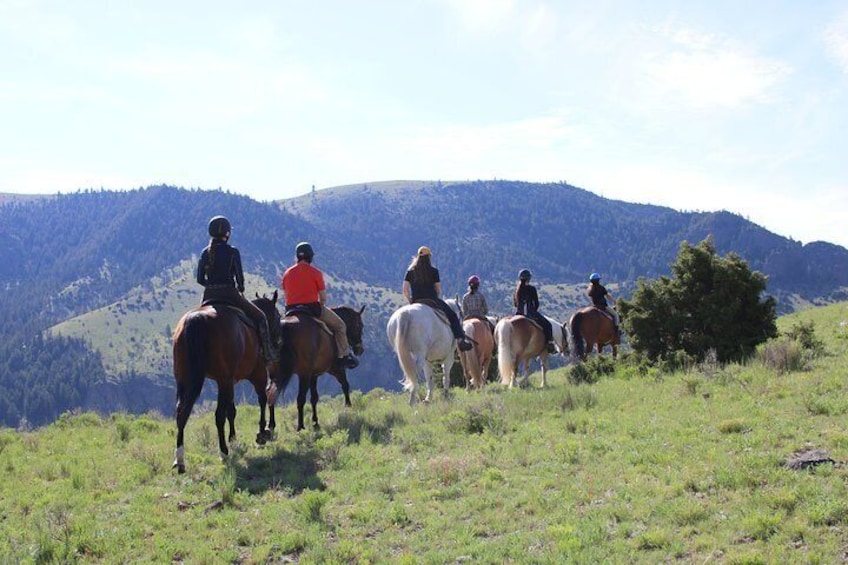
<point>260,439</point>
<point>180,467</point>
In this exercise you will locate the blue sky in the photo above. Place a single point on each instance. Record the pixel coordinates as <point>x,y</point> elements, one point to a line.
<point>741,106</point>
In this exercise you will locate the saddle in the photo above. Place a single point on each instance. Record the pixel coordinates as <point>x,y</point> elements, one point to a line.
<point>300,311</point>
<point>435,307</point>
<point>604,312</point>
<point>218,303</point>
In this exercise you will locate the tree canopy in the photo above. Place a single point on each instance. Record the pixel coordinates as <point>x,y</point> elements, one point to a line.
<point>709,303</point>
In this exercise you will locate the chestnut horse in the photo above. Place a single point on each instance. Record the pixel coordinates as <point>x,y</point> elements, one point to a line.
<point>475,362</point>
<point>215,342</point>
<point>309,351</point>
<point>595,327</point>
<point>519,340</point>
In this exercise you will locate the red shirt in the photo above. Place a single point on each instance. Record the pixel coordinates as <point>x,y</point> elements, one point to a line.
<point>301,283</point>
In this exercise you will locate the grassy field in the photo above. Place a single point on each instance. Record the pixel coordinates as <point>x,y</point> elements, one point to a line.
<point>639,467</point>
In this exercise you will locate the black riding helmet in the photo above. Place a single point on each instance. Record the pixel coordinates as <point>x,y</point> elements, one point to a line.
<point>304,251</point>
<point>525,275</point>
<point>219,226</point>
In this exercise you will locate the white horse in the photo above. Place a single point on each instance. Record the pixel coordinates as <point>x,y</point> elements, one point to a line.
<point>518,341</point>
<point>420,337</point>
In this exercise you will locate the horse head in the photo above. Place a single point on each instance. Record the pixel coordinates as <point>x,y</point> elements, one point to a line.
<point>353,320</point>
<point>269,308</point>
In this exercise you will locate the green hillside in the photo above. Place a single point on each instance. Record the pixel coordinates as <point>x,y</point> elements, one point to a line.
<point>639,467</point>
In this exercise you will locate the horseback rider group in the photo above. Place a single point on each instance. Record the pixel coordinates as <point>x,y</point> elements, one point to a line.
<point>219,272</point>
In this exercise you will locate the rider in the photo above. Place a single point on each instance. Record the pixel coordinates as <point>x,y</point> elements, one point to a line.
<point>474,302</point>
<point>526,301</point>
<point>303,286</point>
<point>599,295</point>
<point>220,274</point>
<point>422,283</point>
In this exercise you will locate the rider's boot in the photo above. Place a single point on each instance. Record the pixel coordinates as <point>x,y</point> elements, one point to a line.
<point>464,344</point>
<point>349,361</point>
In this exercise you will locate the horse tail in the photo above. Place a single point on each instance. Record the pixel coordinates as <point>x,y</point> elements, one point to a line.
<point>196,334</point>
<point>472,362</point>
<point>286,368</point>
<point>576,338</point>
<point>506,363</point>
<point>404,355</point>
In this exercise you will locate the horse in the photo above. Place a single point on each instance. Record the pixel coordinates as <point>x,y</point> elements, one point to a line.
<point>519,340</point>
<point>215,342</point>
<point>309,351</point>
<point>420,337</point>
<point>596,327</point>
<point>475,363</point>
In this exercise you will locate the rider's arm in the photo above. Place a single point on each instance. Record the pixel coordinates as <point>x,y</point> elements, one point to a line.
<point>438,286</point>
<point>611,298</point>
<point>239,274</point>
<point>407,292</point>
<point>322,297</point>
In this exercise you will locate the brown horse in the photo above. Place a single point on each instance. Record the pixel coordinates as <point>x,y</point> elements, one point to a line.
<point>519,340</point>
<point>475,363</point>
<point>310,351</point>
<point>215,342</point>
<point>596,327</point>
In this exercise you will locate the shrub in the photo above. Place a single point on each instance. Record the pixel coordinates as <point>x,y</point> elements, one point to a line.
<point>591,371</point>
<point>782,356</point>
<point>805,335</point>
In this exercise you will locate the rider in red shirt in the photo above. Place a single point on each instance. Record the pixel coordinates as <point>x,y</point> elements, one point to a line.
<point>303,286</point>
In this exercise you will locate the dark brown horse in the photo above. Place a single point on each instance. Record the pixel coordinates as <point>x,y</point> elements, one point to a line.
<point>215,342</point>
<point>309,351</point>
<point>594,326</point>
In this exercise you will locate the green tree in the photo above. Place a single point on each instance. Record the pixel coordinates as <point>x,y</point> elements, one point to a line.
<point>709,303</point>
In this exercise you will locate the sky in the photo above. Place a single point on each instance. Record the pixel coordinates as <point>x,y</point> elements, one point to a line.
<point>697,105</point>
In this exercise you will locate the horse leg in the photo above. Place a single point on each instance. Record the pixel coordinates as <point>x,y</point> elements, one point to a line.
<point>222,412</point>
<point>341,376</point>
<point>262,397</point>
<point>544,361</point>
<point>428,376</point>
<point>313,399</point>
<point>231,418</point>
<point>302,388</point>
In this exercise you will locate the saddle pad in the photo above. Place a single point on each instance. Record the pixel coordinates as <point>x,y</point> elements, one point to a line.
<point>302,314</point>
<point>218,304</point>
<point>438,311</point>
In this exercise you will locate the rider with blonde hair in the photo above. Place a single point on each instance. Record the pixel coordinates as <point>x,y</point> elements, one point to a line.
<point>422,284</point>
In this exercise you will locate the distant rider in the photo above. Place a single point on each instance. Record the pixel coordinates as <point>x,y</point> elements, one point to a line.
<point>474,302</point>
<point>220,274</point>
<point>600,295</point>
<point>422,283</point>
<point>304,288</point>
<point>526,301</point>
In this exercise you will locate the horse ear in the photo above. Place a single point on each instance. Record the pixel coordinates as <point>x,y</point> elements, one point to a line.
<point>274,300</point>
<point>361,310</point>
<point>257,294</point>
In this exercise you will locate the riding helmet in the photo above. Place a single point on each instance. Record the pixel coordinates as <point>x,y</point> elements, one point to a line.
<point>473,280</point>
<point>525,275</point>
<point>219,226</point>
<point>594,277</point>
<point>304,251</point>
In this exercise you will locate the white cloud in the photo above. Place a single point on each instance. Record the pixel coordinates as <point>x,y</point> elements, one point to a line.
<point>836,41</point>
<point>705,71</point>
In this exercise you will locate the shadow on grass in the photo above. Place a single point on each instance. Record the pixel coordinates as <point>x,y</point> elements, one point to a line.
<point>358,427</point>
<point>279,469</point>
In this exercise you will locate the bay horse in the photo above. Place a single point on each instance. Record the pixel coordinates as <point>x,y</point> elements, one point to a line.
<point>475,362</point>
<point>420,337</point>
<point>519,340</point>
<point>596,327</point>
<point>216,342</point>
<point>309,351</point>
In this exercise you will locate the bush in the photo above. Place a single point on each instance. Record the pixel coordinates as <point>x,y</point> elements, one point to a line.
<point>591,371</point>
<point>782,356</point>
<point>805,335</point>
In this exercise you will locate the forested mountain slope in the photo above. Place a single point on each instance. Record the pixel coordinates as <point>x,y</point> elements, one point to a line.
<point>64,256</point>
